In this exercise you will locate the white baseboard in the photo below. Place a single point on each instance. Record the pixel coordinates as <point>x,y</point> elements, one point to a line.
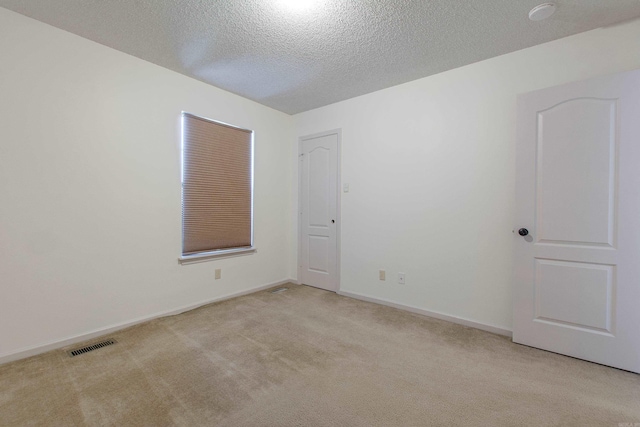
<point>54,345</point>
<point>441,316</point>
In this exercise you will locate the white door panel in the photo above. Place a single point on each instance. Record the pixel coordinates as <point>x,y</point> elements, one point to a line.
<point>578,161</point>
<point>574,293</point>
<point>319,211</point>
<point>577,273</point>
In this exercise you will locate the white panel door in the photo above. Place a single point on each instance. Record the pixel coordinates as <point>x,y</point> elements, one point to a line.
<point>577,271</point>
<point>319,211</point>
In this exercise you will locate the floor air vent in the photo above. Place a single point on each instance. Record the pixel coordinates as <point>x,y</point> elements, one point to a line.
<point>87,349</point>
<point>277,291</point>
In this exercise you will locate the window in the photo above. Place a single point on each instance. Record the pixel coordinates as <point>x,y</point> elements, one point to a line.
<point>217,188</point>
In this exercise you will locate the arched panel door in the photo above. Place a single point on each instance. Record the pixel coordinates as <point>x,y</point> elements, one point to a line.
<point>577,231</point>
<point>319,221</point>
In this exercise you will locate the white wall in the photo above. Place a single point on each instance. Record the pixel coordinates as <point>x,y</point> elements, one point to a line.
<point>90,220</point>
<point>431,171</point>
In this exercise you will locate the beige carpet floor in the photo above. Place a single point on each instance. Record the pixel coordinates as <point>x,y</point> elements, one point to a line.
<point>307,357</point>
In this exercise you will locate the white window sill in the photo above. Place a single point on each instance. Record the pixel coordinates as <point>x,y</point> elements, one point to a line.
<point>210,256</point>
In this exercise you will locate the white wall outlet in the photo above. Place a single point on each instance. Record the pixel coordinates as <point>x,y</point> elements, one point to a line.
<point>345,187</point>
<point>218,273</point>
<point>383,275</point>
<point>401,278</point>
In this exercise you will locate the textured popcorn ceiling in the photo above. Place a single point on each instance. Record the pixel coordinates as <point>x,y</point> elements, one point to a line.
<point>295,61</point>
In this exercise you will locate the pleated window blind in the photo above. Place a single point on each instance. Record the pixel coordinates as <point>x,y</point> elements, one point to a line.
<point>217,199</point>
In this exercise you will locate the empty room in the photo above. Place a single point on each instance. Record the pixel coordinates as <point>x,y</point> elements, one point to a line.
<point>319,213</point>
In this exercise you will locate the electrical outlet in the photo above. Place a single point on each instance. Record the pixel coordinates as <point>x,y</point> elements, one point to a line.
<point>401,278</point>
<point>218,273</point>
<point>382,275</point>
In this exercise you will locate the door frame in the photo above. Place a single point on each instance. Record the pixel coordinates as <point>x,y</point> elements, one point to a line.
<point>301,139</point>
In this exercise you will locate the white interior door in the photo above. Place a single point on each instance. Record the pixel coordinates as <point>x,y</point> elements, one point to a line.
<point>577,272</point>
<point>318,265</point>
